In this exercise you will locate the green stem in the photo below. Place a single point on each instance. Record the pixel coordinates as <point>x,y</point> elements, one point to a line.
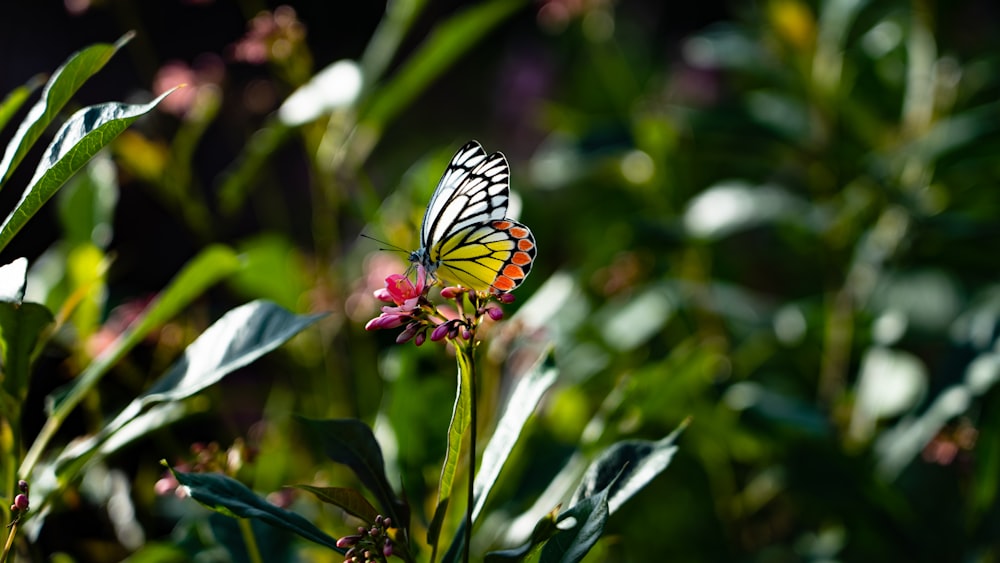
<point>248,538</point>
<point>10,542</point>
<point>472,446</point>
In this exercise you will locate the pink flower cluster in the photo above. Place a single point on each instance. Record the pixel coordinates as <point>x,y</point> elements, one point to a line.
<point>410,306</point>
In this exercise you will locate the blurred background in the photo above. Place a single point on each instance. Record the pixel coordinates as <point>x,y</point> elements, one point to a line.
<point>779,218</point>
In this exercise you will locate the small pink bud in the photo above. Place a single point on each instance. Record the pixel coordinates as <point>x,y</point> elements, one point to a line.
<point>387,549</point>
<point>506,298</point>
<point>495,313</point>
<point>420,338</point>
<point>22,485</point>
<point>467,334</point>
<point>386,320</point>
<point>440,331</point>
<point>408,333</point>
<point>451,292</point>
<point>347,541</point>
<point>21,502</point>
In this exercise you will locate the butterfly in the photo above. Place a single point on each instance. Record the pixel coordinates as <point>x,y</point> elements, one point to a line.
<point>465,236</point>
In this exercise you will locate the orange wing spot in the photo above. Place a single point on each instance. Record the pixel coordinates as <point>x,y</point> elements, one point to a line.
<point>525,244</point>
<point>504,283</point>
<point>521,258</point>
<point>518,232</point>
<point>513,272</point>
<point>502,225</point>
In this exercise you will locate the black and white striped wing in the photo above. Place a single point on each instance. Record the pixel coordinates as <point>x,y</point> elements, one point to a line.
<point>473,191</point>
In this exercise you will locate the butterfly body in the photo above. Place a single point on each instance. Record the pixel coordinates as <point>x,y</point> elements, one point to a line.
<point>465,236</point>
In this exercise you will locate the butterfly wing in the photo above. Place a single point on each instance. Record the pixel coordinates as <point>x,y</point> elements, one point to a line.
<point>496,256</point>
<point>473,191</point>
<point>465,236</point>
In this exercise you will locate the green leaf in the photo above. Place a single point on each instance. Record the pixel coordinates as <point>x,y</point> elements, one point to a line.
<point>522,402</point>
<point>65,81</point>
<point>16,98</point>
<point>460,418</point>
<point>579,529</point>
<point>352,501</point>
<point>544,529</point>
<point>625,468</point>
<point>241,336</point>
<point>232,498</point>
<point>350,442</point>
<point>21,325</point>
<point>210,266</point>
<point>448,42</point>
<point>81,137</point>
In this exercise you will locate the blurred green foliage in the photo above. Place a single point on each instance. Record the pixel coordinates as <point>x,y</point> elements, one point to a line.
<point>779,224</point>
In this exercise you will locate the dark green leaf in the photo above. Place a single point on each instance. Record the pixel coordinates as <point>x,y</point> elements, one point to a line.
<point>211,265</point>
<point>579,529</point>
<point>238,338</point>
<point>21,324</point>
<point>65,81</point>
<point>350,500</point>
<point>352,443</point>
<point>80,138</point>
<point>625,468</point>
<point>232,498</point>
<point>544,529</point>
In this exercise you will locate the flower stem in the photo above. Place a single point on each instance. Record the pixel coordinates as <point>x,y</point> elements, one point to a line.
<point>10,542</point>
<point>248,538</point>
<point>472,447</point>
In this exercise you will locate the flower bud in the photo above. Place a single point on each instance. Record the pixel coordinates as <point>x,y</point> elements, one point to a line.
<point>387,522</point>
<point>451,292</point>
<point>387,548</point>
<point>409,332</point>
<point>506,298</point>
<point>347,541</point>
<point>495,313</point>
<point>22,485</point>
<point>420,338</point>
<point>440,331</point>
<point>21,502</point>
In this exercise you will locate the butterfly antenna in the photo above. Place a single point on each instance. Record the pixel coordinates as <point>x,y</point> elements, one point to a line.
<point>388,246</point>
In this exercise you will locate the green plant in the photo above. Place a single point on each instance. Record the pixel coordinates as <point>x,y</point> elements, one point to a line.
<point>239,337</point>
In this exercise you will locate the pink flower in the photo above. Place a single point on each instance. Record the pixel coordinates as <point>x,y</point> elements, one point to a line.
<point>406,296</point>
<point>403,291</point>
